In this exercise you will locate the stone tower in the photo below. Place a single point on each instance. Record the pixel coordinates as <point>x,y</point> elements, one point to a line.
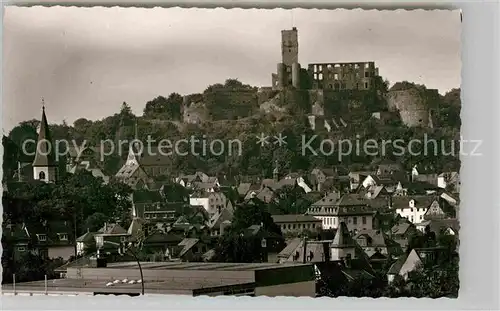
<point>289,47</point>
<point>45,165</point>
<point>288,71</point>
<point>343,246</point>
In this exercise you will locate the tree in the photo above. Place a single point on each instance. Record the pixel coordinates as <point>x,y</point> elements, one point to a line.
<point>237,247</point>
<point>289,200</point>
<point>95,221</point>
<point>253,212</point>
<point>165,108</point>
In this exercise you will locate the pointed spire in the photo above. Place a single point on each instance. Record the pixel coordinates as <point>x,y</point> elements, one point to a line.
<point>342,237</point>
<point>44,155</point>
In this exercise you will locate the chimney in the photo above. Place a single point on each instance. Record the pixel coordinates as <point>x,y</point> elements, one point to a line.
<point>326,251</point>
<point>105,226</point>
<point>347,261</point>
<point>19,177</point>
<point>304,259</point>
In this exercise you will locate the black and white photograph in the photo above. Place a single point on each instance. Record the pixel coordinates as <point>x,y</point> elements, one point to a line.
<point>231,152</point>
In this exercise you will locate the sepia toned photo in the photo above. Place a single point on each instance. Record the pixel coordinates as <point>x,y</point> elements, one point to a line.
<point>236,152</point>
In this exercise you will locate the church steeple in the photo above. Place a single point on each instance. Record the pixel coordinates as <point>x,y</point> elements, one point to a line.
<point>44,164</point>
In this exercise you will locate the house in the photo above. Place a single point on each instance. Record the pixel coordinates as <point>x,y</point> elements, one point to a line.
<point>211,201</point>
<point>113,233</point>
<point>324,179</point>
<point>132,173</point>
<point>272,242</point>
<point>322,174</point>
<point>152,205</point>
<point>265,195</point>
<point>208,186</point>
<point>84,243</point>
<point>192,250</point>
<point>343,247</point>
<point>78,154</point>
<point>424,174</point>
<point>387,167</point>
<point>449,181</point>
<point>391,182</point>
<point>24,172</point>
<point>355,212</point>
<point>412,208</point>
<point>439,226</point>
<point>323,210</point>
<point>297,224</point>
<point>377,242</point>
<point>402,232</point>
<point>357,177</point>
<point>221,220</point>
<point>440,209</point>
<point>50,239</point>
<point>158,241</point>
<point>245,188</point>
<point>407,188</point>
<point>188,180</point>
<point>417,258</point>
<point>294,251</point>
<point>89,166</point>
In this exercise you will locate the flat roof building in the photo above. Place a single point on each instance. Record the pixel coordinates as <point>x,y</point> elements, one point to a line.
<point>211,279</point>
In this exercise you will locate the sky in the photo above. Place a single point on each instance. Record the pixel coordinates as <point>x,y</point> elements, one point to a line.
<point>85,62</point>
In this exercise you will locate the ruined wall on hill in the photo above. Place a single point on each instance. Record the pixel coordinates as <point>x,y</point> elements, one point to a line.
<point>194,110</point>
<point>344,101</point>
<point>265,94</point>
<point>415,106</point>
<point>231,104</point>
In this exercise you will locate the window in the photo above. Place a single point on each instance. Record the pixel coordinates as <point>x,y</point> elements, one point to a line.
<point>21,248</point>
<point>363,219</point>
<point>421,217</point>
<point>42,237</point>
<point>63,236</point>
<point>367,74</point>
<point>411,210</point>
<point>355,220</point>
<point>320,76</point>
<point>123,239</point>
<point>336,76</point>
<point>314,225</point>
<point>41,176</point>
<point>367,65</point>
<point>366,85</point>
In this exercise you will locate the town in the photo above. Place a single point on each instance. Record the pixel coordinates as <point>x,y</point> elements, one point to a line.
<point>266,221</point>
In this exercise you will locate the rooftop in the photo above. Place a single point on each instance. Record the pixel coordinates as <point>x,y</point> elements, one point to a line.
<point>216,266</point>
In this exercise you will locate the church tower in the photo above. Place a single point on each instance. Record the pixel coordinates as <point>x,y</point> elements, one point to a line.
<point>45,165</point>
